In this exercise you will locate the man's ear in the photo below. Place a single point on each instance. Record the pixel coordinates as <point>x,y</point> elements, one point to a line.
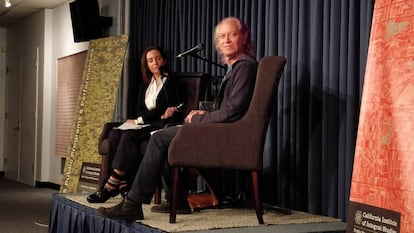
<point>244,39</point>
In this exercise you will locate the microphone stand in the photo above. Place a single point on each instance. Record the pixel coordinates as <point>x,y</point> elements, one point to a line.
<point>208,89</point>
<point>206,60</point>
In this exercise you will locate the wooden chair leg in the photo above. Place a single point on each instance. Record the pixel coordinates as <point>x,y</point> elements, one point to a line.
<point>157,195</point>
<point>257,201</point>
<point>174,193</point>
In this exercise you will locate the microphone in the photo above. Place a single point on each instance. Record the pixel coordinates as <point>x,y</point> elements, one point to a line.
<point>164,75</point>
<point>197,48</point>
<point>162,71</point>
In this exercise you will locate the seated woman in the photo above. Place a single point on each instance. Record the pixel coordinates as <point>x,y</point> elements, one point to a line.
<point>158,98</point>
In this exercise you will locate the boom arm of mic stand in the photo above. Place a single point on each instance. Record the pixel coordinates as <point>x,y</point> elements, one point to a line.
<point>206,60</point>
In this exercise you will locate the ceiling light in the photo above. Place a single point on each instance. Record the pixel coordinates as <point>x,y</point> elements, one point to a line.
<point>7,3</point>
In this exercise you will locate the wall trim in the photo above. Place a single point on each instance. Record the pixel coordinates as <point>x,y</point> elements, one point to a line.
<point>49,185</point>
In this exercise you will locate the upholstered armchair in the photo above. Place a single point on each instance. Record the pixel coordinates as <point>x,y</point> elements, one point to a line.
<point>195,86</point>
<point>237,145</point>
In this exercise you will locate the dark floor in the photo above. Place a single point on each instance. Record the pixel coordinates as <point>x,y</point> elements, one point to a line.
<point>25,209</point>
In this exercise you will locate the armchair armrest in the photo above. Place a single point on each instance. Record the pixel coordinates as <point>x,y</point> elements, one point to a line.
<point>208,145</point>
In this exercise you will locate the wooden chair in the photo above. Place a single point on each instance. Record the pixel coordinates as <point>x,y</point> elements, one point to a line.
<point>195,86</point>
<point>237,145</point>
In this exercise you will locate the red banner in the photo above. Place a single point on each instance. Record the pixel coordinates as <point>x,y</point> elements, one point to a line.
<point>382,190</point>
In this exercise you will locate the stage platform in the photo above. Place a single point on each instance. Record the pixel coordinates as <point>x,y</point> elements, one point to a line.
<point>72,213</point>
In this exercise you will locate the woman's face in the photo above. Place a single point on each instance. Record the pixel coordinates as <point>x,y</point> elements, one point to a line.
<point>154,61</point>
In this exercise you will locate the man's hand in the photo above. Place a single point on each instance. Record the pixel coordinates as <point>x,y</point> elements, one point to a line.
<point>192,113</point>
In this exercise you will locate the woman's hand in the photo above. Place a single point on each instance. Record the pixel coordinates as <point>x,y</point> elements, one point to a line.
<point>192,113</point>
<point>131,121</point>
<point>169,112</point>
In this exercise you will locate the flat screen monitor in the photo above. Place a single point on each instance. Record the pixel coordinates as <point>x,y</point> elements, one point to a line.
<point>87,24</point>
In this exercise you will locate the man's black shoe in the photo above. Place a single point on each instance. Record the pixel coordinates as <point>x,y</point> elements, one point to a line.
<point>182,208</point>
<point>127,210</point>
<point>102,195</point>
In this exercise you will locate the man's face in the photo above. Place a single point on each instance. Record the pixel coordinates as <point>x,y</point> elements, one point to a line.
<point>230,40</point>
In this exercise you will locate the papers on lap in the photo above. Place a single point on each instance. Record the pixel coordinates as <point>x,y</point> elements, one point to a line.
<point>126,126</point>
<point>154,131</point>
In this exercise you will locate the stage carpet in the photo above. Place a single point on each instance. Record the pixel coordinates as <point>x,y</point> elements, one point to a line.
<point>72,213</point>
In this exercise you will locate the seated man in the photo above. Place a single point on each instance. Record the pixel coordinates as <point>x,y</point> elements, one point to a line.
<point>232,41</point>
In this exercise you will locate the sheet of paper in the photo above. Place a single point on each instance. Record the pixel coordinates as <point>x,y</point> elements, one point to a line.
<point>126,126</point>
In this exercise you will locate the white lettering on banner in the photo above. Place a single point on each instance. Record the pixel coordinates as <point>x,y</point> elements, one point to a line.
<point>78,124</point>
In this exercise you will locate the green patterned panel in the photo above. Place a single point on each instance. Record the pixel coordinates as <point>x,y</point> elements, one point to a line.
<point>96,102</point>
